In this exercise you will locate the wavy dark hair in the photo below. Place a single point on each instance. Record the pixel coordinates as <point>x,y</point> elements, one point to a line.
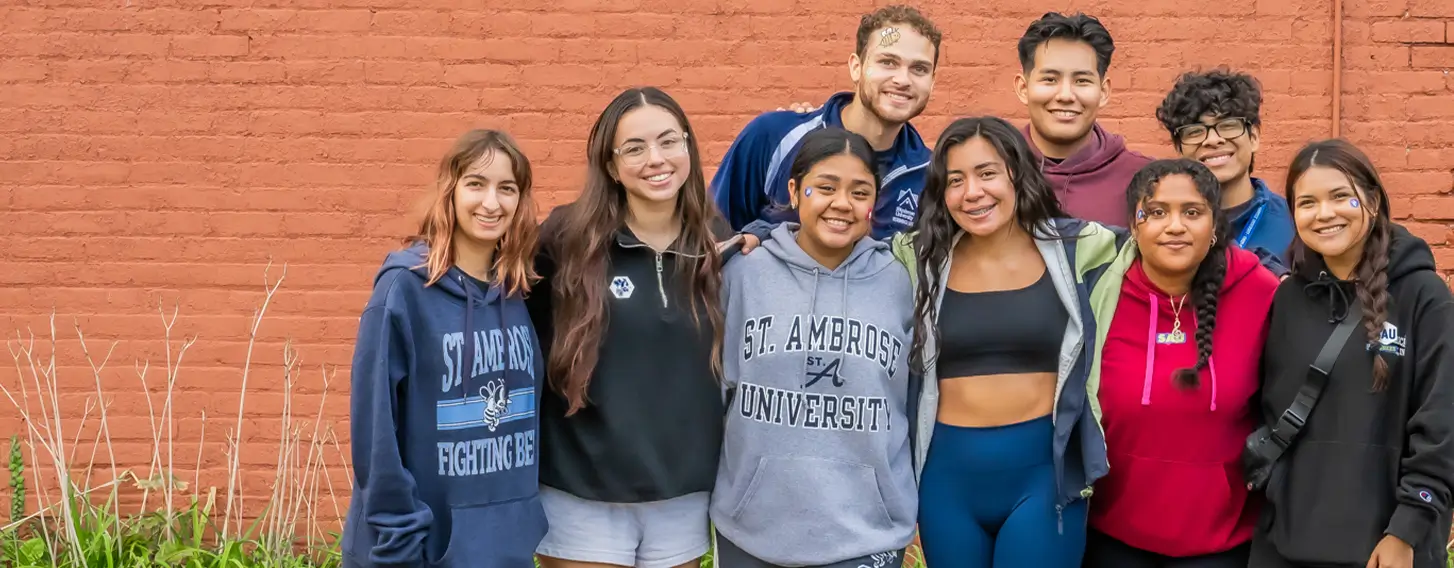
<point>587,232</point>
<point>1206,285</point>
<point>1075,27</point>
<point>1220,92</point>
<point>934,230</point>
<point>1371,274</point>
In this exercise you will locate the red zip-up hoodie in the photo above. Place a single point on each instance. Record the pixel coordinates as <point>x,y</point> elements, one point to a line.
<point>1175,485</point>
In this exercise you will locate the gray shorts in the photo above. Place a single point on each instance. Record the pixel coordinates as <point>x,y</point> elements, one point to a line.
<point>729,556</point>
<point>659,534</point>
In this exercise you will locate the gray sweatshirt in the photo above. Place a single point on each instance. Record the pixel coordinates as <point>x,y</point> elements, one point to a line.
<point>816,465</point>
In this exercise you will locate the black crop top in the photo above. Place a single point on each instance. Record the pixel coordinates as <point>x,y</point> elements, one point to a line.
<point>1001,331</point>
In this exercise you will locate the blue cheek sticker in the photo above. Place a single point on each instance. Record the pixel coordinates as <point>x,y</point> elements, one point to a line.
<point>807,191</point>
<point>1354,202</point>
<point>1140,215</point>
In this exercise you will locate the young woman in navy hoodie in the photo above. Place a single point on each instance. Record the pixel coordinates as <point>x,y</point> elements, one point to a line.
<point>1366,482</point>
<point>1181,318</point>
<point>444,379</point>
<point>629,308</point>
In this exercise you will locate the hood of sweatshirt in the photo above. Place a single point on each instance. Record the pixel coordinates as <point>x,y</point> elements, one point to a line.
<point>443,422</point>
<point>1407,254</point>
<point>1091,183</point>
<point>1168,315</point>
<point>1172,444</point>
<point>816,465</point>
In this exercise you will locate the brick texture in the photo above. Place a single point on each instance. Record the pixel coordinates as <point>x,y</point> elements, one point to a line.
<point>156,153</point>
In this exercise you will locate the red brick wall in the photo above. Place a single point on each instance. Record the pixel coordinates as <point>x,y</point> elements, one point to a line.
<point>163,152</point>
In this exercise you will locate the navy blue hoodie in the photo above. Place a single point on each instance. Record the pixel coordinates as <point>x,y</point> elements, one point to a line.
<point>444,422</point>
<point>753,176</point>
<point>1263,225</point>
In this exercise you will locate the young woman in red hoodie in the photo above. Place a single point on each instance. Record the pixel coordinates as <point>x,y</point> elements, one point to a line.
<point>1181,320</point>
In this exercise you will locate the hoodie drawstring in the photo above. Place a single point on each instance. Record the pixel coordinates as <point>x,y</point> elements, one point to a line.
<point>1212,366</point>
<point>1151,359</point>
<point>1150,353</point>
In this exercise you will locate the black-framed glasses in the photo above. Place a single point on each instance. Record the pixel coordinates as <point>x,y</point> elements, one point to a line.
<point>1227,128</point>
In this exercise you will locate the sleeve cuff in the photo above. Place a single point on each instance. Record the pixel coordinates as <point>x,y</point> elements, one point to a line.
<point>1410,524</point>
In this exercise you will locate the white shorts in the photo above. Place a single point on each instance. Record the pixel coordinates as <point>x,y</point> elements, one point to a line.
<point>659,534</point>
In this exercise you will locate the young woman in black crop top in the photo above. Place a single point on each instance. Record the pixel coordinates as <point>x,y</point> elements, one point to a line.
<point>1005,445</point>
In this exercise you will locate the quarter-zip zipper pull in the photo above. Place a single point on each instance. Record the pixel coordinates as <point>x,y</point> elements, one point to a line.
<point>1060,519</point>
<point>660,287</point>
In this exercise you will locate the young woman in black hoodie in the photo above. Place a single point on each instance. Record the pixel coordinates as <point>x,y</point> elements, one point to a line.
<point>1366,483</point>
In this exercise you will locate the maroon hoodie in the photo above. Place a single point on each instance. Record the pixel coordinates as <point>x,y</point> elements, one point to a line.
<point>1091,184</point>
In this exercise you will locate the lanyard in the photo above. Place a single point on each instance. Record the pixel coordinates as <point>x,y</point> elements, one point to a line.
<point>1251,226</point>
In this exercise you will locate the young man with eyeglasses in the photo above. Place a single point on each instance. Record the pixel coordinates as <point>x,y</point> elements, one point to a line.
<point>892,69</point>
<point>1063,83</point>
<point>1214,117</point>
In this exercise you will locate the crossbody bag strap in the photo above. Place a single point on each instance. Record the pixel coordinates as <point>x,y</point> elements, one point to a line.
<point>1296,416</point>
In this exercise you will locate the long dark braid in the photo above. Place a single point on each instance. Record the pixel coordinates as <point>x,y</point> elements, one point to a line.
<point>1372,289</point>
<point>1206,284</point>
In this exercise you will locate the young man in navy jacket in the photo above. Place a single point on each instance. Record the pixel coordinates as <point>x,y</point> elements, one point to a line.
<point>893,73</point>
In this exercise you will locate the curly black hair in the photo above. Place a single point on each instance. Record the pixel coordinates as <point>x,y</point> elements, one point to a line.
<point>1220,92</point>
<point>1206,285</point>
<point>1077,27</point>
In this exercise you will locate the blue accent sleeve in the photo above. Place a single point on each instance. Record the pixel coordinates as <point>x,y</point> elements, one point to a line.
<point>1271,262</point>
<point>392,507</point>
<point>737,185</point>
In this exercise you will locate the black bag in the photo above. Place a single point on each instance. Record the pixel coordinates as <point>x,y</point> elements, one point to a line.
<point>1267,444</point>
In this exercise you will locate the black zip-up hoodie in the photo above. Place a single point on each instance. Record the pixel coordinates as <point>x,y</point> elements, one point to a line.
<point>1367,463</point>
<point>652,426</point>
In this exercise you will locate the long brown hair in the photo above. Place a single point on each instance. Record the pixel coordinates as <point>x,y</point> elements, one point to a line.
<point>1372,271</point>
<point>587,232</point>
<point>514,261</point>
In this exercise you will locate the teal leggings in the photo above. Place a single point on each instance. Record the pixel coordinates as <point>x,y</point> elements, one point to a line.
<point>987,500</point>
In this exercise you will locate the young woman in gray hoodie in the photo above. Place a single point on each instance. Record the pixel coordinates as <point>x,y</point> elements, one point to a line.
<point>816,467</point>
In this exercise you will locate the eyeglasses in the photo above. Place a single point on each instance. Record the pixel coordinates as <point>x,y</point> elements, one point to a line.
<point>1227,128</point>
<point>636,153</point>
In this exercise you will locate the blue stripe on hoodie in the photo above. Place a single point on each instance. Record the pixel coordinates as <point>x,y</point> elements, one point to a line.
<point>443,421</point>
<point>753,176</point>
<point>1272,237</point>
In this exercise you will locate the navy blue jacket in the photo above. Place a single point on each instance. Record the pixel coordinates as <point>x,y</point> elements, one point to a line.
<point>753,176</point>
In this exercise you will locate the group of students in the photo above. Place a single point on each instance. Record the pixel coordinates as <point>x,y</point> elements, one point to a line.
<point>1028,347</point>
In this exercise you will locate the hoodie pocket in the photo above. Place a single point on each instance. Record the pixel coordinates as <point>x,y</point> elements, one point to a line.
<point>502,535</point>
<point>812,500</point>
<point>1170,507</point>
<point>1333,501</point>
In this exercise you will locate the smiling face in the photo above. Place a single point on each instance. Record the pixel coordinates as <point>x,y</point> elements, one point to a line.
<point>895,74</point>
<point>650,155</point>
<point>1226,145</point>
<point>1063,91</point>
<point>978,191</point>
<point>1333,216</point>
<point>834,202</point>
<point>485,200</point>
<point>1174,228</point>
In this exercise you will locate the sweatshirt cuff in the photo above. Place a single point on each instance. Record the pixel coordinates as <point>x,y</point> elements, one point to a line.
<point>1410,524</point>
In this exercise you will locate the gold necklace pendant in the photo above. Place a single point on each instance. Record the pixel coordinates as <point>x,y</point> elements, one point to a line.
<point>1176,336</point>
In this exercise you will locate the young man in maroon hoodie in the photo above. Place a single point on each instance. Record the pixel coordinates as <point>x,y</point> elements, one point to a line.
<point>1063,83</point>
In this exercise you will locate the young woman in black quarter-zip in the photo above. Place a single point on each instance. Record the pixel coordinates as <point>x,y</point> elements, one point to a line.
<point>629,310</point>
<point>1366,483</point>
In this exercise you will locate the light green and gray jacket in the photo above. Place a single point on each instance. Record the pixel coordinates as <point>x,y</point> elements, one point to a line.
<point>1077,254</point>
